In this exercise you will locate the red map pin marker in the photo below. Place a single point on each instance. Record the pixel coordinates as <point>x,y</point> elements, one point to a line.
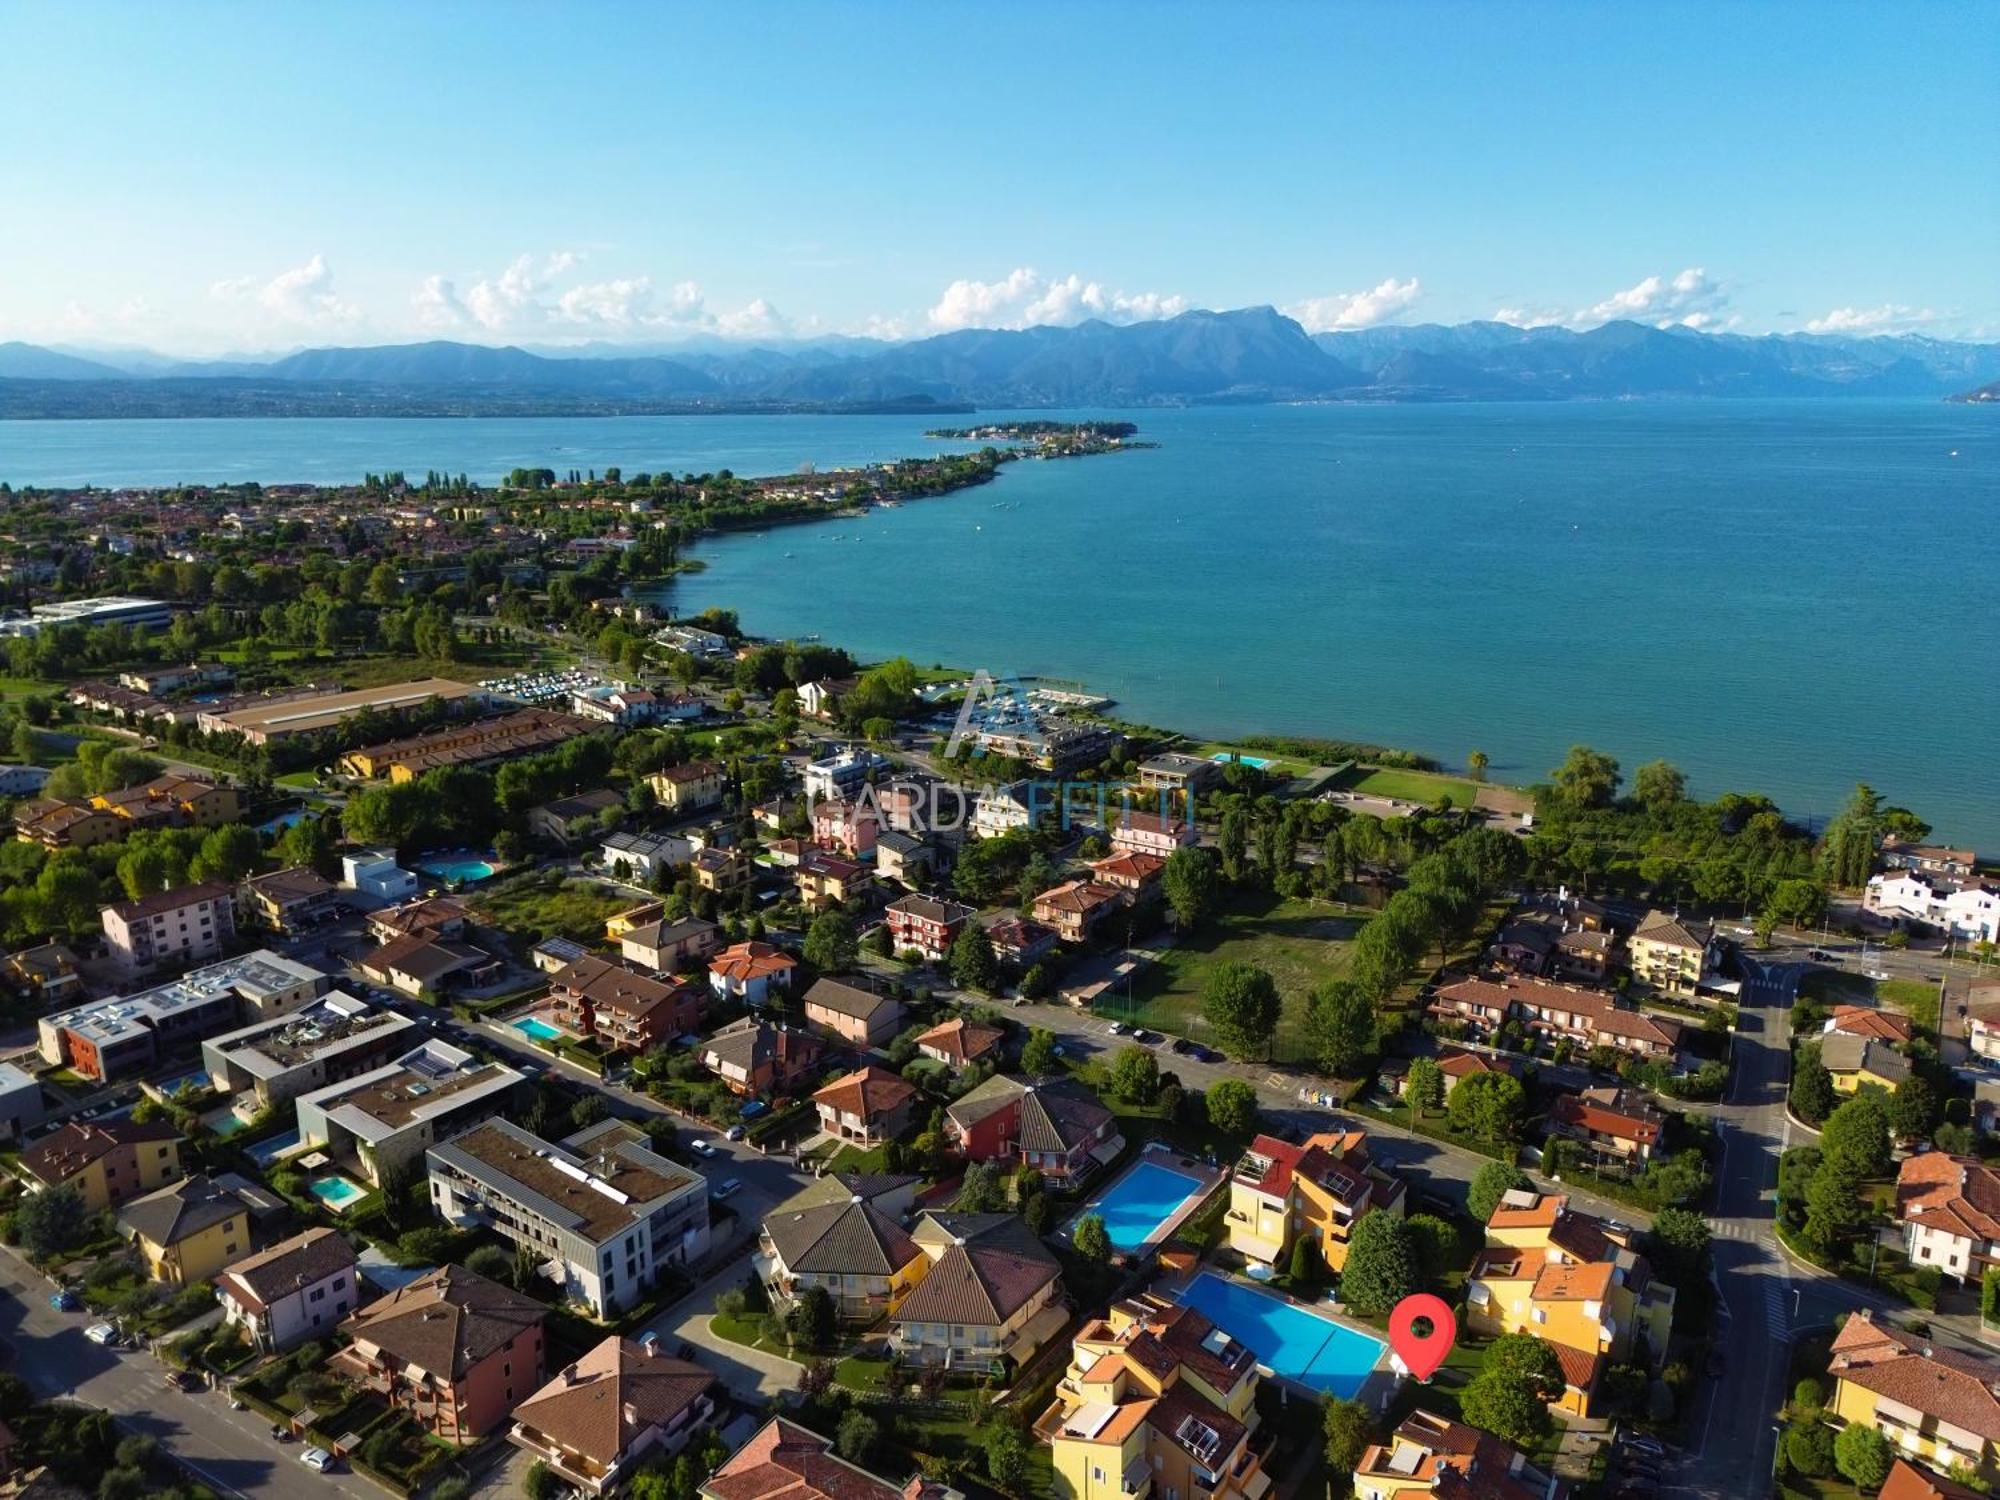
<point>1422,1353</point>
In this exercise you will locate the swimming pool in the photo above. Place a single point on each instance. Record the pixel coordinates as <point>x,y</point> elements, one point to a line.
<point>225,1122</point>
<point>266,1151</point>
<point>1139,1203</point>
<point>1295,1343</point>
<point>457,868</point>
<point>337,1192</point>
<point>1254,762</point>
<point>538,1029</point>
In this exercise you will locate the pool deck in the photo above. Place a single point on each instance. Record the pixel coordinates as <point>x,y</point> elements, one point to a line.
<point>1380,1385</point>
<point>1158,1154</point>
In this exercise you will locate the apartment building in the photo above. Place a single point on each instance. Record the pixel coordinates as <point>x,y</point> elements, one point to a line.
<point>1319,1189</point>
<point>599,1204</point>
<point>105,1163</point>
<point>1053,1125</point>
<point>182,926</point>
<point>670,944</point>
<point>1675,955</point>
<point>1439,1459</point>
<point>1152,833</point>
<point>926,924</point>
<point>868,1106</point>
<point>188,1230</point>
<point>288,902</point>
<point>1075,908</point>
<point>334,1038</point>
<point>298,1289</point>
<point>1949,1207</point>
<point>990,1298</point>
<point>624,1009</point>
<point>1589,1018</point>
<point>484,742</point>
<point>690,788</point>
<point>1617,1124</point>
<point>1933,1404</point>
<point>754,1057</point>
<point>377,1121</point>
<point>851,1248</point>
<point>852,1013</point>
<point>623,1404</point>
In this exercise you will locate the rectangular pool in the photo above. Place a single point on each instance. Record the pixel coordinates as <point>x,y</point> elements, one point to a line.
<point>269,1149</point>
<point>1290,1340</point>
<point>1136,1206</point>
<point>336,1192</point>
<point>538,1030</point>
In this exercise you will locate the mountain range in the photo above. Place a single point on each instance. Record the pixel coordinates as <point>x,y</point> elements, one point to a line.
<point>1248,355</point>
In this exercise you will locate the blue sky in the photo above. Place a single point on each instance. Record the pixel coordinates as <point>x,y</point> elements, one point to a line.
<point>208,177</point>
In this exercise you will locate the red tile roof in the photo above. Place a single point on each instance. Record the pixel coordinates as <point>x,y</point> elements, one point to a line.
<point>1952,1194</point>
<point>1939,1382</point>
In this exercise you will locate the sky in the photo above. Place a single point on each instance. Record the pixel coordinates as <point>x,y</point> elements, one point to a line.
<point>208,178</point>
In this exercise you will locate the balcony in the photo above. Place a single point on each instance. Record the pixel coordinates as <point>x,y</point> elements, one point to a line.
<point>1137,1478</point>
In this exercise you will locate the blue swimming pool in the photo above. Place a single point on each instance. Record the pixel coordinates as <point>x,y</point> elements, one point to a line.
<point>268,1150</point>
<point>1137,1204</point>
<point>460,869</point>
<point>540,1030</point>
<point>1254,762</point>
<point>1297,1344</point>
<point>336,1192</point>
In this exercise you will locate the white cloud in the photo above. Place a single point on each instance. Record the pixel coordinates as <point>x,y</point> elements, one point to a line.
<point>529,297</point>
<point>1692,299</point>
<point>1530,317</point>
<point>1026,299</point>
<point>1345,310</point>
<point>1890,317</point>
<point>436,303</point>
<point>302,295</point>
<point>614,304</point>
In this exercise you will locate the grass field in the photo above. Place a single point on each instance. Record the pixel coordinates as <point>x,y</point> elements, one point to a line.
<point>1275,764</point>
<point>1409,786</point>
<point>1300,944</point>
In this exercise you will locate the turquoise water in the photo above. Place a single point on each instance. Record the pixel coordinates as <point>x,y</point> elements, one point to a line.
<point>1297,1344</point>
<point>541,1031</point>
<point>1137,1204</point>
<point>225,1123</point>
<point>456,869</point>
<point>1255,762</point>
<point>337,1192</point>
<point>1778,596</point>
<point>271,1148</point>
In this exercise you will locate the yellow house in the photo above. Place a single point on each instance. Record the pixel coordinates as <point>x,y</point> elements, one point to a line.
<point>862,1258</point>
<point>620,923</point>
<point>1440,1459</point>
<point>689,788</point>
<point>1858,1062</point>
<point>105,1164</point>
<point>187,1231</point>
<point>1671,953</point>
<point>1321,1189</point>
<point>1157,1402</point>
<point>1575,1283</point>
<point>1932,1404</point>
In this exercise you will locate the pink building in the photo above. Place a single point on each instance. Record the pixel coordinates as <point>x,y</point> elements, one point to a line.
<point>1149,833</point>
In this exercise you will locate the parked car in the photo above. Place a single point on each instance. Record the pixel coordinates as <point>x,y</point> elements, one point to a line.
<point>1119,1028</point>
<point>734,1133</point>
<point>1206,1054</point>
<point>318,1459</point>
<point>280,1434</point>
<point>1183,1046</point>
<point>183,1380</point>
<point>102,1333</point>
<point>1147,1038</point>
<point>63,1300</point>
<point>702,1148</point>
<point>727,1188</point>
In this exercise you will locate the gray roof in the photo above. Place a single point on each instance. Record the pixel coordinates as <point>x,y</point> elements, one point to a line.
<point>846,999</point>
<point>297,1262</point>
<point>840,1238</point>
<point>180,1209</point>
<point>1844,1052</point>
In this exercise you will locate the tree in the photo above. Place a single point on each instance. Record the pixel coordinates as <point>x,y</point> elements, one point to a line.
<point>1490,1184</point>
<point>1518,1376</point>
<point>980,1191</point>
<point>1799,902</point>
<point>52,1221</point>
<point>491,1262</point>
<point>1856,1136</point>
<point>1038,1053</point>
<point>1308,1266</point>
<point>1190,884</point>
<point>1232,1107</point>
<point>1809,1449</point>
<point>1436,1244</point>
<point>1677,1245</point>
<point>228,854</point>
<point>1835,1211</point>
<point>1241,1002</point>
<point>1812,1095</point>
<point>1659,787</point>
<point>856,1436</point>
<point>540,1482</point>
<point>1587,778</point>
<point>1340,1019</point>
<point>831,946</point>
<point>811,1324</point>
<point>1135,1075</point>
<point>1007,1459</point>
<point>1347,1427</point>
<point>1381,1268</point>
<point>973,966</point>
<point>1488,1106</point>
<point>1861,1453</point>
<point>1090,1238</point>
<point>1913,1108</point>
<point>1476,763</point>
<point>1424,1087</point>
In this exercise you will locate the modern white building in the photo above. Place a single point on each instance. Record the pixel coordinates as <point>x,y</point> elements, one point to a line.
<point>374,873</point>
<point>296,1290</point>
<point>274,1061</point>
<point>1966,910</point>
<point>169,928</point>
<point>110,609</point>
<point>640,857</point>
<point>842,774</point>
<point>380,1120</point>
<point>21,1108</point>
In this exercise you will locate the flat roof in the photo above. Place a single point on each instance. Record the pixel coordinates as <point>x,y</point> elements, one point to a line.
<point>333,1024</point>
<point>434,1079</point>
<point>251,974</point>
<point>301,715</point>
<point>596,1194</point>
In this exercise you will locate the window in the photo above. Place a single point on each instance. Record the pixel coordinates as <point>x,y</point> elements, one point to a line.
<point>318,1295</point>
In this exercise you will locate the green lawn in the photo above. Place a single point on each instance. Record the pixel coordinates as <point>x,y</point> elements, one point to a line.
<point>1410,786</point>
<point>535,908</point>
<point>1841,987</point>
<point>1300,943</point>
<point>1275,764</point>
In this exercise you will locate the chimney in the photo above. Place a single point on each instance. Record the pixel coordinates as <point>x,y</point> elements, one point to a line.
<point>630,1413</point>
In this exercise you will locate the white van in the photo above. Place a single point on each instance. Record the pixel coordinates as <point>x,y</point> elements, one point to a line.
<point>101,1333</point>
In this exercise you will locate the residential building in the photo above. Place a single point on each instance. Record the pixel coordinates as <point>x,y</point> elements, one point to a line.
<point>1575,1282</point>
<point>428,916</point>
<point>926,924</point>
<point>785,1461</point>
<point>17,780</point>
<point>172,801</point>
<point>621,1405</point>
<point>182,926</point>
<point>841,775</point>
<point>909,859</point>
<point>173,679</point>
<point>690,788</point>
<point>1526,947</point>
<point>484,742</point>
<point>554,954</point>
<point>1456,1065</point>
<point>852,1013</point>
<point>377,1121</point>
<point>108,609</point>
<point>724,871</point>
<point>852,1249</point>
<point>287,902</point>
<point>1174,772</point>
<point>821,699</point>
<point>1674,955</point>
<point>1928,859</point>
<point>1586,954</point>
<point>1435,1458</point>
<point>1157,1404</point>
<point>1320,1189</point>
<point>455,1350</point>
<point>1138,876</point>
<point>643,857</point>
<point>751,972</point>
<point>868,1106</point>
<point>1887,1026</point>
<point>600,1205</point>
<point>46,974</point>
<point>608,703</point>
<point>116,1038</point>
<point>1589,1018</point>
<point>1968,911</point>
<point>105,1163</point>
<point>426,964</point>
<point>1057,746</point>
<point>1950,1211</point>
<point>959,1043</point>
<point>1617,1124</point>
<point>188,1230</point>
<point>66,825</point>
<point>569,821</point>
<point>374,875</point>
<point>845,828</point>
<point>1152,833</point>
<point>755,1057</point>
<point>1000,810</point>
<point>21,1108</point>
<point>1908,1482</point>
<point>825,880</point>
<point>1932,1403</point>
<point>1855,1062</point>
<point>1053,1125</point>
<point>273,1062</point>
<point>299,1289</point>
<point>991,1298</point>
<point>1019,943</point>
<point>666,945</point>
<point>1074,908</point>
<point>260,722</point>
<point>624,1009</point>
<point>1982,1020</point>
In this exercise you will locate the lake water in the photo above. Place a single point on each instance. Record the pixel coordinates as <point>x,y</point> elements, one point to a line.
<point>1783,597</point>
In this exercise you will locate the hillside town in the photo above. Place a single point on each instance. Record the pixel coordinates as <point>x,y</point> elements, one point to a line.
<point>470,1030</point>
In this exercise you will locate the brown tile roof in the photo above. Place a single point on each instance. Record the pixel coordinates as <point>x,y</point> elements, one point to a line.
<point>1908,1482</point>
<point>964,1041</point>
<point>1135,867</point>
<point>284,1268</point>
<point>1598,1009</point>
<point>299,883</point>
<point>785,1461</point>
<point>168,1215</point>
<point>1664,927</point>
<point>61,1154</point>
<point>1455,1462</point>
<point>1570,1282</point>
<point>161,902</point>
<point>1951,1194</point>
<point>1866,1020</point>
<point>1580,1367</point>
<point>608,1399</point>
<point>845,999</point>
<point>1078,896</point>
<point>867,1092</point>
<point>611,986</point>
<point>1612,1112</point>
<point>1939,1382</point>
<point>848,1236</point>
<point>994,1267</point>
<point>1541,1213</point>
<point>446,1322</point>
<point>751,960</point>
<point>1847,1052</point>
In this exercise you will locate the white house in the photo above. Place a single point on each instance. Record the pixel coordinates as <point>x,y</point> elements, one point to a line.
<point>640,857</point>
<point>1950,1208</point>
<point>841,774</point>
<point>300,1289</point>
<point>1968,911</point>
<point>375,873</point>
<point>1001,810</point>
